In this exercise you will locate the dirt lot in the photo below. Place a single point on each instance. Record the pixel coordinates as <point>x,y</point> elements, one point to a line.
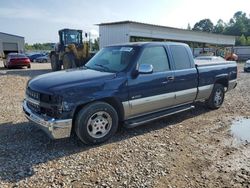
<point>191,149</point>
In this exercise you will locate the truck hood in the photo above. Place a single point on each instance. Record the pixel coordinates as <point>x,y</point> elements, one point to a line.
<point>49,82</point>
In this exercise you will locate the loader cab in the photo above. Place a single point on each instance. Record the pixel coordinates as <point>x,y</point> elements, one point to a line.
<point>70,36</point>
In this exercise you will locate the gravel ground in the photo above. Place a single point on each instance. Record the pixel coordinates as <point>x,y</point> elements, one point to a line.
<point>191,149</point>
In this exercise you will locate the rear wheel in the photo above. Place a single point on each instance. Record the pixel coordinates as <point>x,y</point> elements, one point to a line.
<point>216,98</point>
<point>55,65</point>
<point>29,66</point>
<point>96,123</point>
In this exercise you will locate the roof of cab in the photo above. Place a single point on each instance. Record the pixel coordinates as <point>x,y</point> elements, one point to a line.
<point>148,44</point>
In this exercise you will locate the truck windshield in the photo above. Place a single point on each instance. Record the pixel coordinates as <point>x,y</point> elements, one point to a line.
<point>112,59</point>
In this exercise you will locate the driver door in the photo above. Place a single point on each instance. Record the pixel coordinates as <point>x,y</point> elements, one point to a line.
<point>155,91</point>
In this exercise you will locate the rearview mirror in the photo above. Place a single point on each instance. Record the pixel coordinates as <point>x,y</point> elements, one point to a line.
<point>145,69</point>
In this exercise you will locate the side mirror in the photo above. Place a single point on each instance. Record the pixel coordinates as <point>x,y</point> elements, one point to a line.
<point>145,69</point>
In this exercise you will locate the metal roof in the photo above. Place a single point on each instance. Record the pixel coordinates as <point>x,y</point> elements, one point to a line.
<point>11,35</point>
<point>166,27</point>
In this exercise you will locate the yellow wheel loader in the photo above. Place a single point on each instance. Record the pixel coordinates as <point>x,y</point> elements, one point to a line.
<point>70,52</point>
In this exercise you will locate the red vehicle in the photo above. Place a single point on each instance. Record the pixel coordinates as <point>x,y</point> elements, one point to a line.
<point>17,60</point>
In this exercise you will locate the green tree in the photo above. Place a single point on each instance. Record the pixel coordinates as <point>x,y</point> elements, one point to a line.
<point>95,45</point>
<point>241,40</point>
<point>248,41</point>
<point>204,25</point>
<point>39,46</point>
<point>27,46</point>
<point>219,27</point>
<point>238,25</point>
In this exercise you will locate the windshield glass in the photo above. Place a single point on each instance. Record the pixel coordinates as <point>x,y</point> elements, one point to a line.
<point>72,37</point>
<point>112,59</point>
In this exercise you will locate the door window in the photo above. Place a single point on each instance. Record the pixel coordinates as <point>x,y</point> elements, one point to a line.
<point>155,56</point>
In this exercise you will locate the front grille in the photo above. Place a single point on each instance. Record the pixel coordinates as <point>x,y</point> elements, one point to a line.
<point>33,94</point>
<point>41,103</point>
<point>34,107</point>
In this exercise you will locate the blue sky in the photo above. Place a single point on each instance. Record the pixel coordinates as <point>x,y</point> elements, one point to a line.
<point>39,21</point>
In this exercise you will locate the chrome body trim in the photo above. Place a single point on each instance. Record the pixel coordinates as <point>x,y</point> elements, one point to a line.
<point>145,69</point>
<point>184,96</point>
<point>204,92</point>
<point>158,117</point>
<point>232,84</point>
<point>55,128</point>
<point>126,107</point>
<point>36,102</point>
<point>149,104</point>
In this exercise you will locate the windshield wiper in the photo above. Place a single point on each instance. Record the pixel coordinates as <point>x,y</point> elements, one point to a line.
<point>104,67</point>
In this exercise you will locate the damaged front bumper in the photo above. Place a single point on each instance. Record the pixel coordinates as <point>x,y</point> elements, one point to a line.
<point>55,128</point>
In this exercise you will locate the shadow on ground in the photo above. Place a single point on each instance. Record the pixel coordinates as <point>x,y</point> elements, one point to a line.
<point>22,146</point>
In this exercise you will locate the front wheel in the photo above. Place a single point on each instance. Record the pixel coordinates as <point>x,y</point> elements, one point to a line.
<point>68,61</point>
<point>216,98</point>
<point>96,123</point>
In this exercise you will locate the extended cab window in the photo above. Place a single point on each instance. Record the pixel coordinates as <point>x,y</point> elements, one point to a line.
<point>155,56</point>
<point>181,57</point>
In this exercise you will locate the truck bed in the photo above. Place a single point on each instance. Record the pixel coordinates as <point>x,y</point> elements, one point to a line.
<point>201,63</point>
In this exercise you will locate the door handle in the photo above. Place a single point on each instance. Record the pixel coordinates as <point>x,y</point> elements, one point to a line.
<point>170,78</point>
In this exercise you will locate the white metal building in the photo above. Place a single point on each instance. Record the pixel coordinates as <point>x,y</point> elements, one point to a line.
<point>130,31</point>
<point>11,43</point>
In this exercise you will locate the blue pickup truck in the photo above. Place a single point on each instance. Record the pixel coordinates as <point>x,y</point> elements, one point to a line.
<point>127,85</point>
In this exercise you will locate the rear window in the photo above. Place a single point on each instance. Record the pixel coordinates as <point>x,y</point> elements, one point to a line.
<point>17,56</point>
<point>181,57</point>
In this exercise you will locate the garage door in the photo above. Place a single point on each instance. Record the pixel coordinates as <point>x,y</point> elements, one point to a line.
<point>10,46</point>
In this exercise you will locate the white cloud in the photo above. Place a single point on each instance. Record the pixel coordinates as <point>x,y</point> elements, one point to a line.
<point>40,15</point>
<point>44,18</point>
<point>193,11</point>
<point>23,13</point>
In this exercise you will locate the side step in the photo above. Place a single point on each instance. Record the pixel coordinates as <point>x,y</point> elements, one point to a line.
<point>131,123</point>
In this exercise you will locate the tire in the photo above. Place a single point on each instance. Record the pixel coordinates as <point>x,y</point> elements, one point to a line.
<point>44,61</point>
<point>29,66</point>
<point>96,123</point>
<point>68,61</point>
<point>216,98</point>
<point>55,65</point>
